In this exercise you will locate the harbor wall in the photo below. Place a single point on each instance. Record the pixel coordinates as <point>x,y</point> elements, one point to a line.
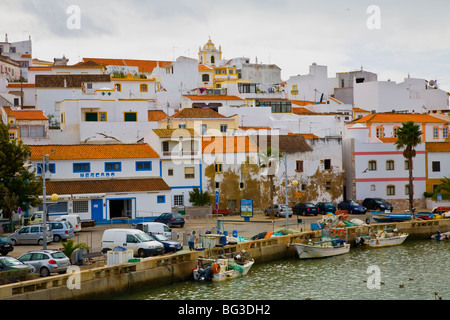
<point>168,269</point>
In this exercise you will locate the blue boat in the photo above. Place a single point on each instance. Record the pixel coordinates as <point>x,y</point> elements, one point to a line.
<point>391,216</point>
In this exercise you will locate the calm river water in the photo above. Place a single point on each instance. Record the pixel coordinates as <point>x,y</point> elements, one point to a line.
<point>414,270</point>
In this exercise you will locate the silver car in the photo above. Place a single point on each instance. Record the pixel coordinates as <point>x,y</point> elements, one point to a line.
<point>279,210</point>
<point>62,230</point>
<point>46,261</point>
<point>31,235</point>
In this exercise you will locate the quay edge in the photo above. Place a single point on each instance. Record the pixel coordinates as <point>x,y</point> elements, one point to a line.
<point>169,269</point>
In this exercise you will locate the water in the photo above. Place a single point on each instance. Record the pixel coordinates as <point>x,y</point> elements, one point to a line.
<point>414,270</point>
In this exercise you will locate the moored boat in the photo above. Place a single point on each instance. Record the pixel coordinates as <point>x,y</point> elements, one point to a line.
<point>441,236</point>
<point>382,238</point>
<point>391,216</point>
<point>321,249</point>
<point>221,269</point>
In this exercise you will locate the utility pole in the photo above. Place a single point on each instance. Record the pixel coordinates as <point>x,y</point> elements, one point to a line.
<point>44,203</point>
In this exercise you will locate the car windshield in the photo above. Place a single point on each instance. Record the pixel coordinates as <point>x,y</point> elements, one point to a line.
<point>9,261</point>
<point>143,237</point>
<point>380,201</point>
<point>284,206</point>
<point>160,237</point>
<point>310,205</point>
<point>58,255</point>
<point>353,203</point>
<point>177,215</point>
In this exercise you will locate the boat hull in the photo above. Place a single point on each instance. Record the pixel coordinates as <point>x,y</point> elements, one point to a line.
<point>306,251</point>
<point>391,217</point>
<point>385,242</point>
<point>231,274</point>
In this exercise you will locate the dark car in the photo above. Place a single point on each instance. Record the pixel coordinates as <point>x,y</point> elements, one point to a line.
<point>326,207</point>
<point>6,245</point>
<point>305,208</point>
<point>10,263</point>
<point>377,204</point>
<point>352,207</point>
<point>169,245</point>
<point>171,219</point>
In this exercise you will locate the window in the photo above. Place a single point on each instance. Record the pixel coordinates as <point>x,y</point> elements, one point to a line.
<point>51,168</point>
<point>205,77</point>
<point>204,129</point>
<point>113,167</point>
<point>396,131</point>
<point>406,165</point>
<point>380,132</point>
<point>165,146</point>
<point>390,165</point>
<point>189,173</point>
<point>328,185</point>
<point>372,187</point>
<point>178,200</point>
<point>372,165</point>
<point>95,116</point>
<point>213,59</point>
<point>144,87</point>
<point>81,167</point>
<point>327,164</point>
<point>143,166</point>
<point>294,90</point>
<point>445,132</point>
<point>80,206</point>
<point>230,71</point>
<point>390,190</point>
<point>63,115</point>
<point>32,131</point>
<point>241,185</point>
<point>299,166</point>
<point>436,166</point>
<point>217,185</point>
<point>435,132</point>
<point>182,126</point>
<point>118,87</point>
<point>12,136</point>
<point>161,199</point>
<point>130,116</point>
<point>223,128</point>
<point>170,172</point>
<point>407,190</point>
<point>218,168</point>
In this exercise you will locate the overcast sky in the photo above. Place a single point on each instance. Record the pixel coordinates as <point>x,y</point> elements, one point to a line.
<point>401,37</point>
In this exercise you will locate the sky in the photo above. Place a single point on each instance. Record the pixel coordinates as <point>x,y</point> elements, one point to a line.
<point>390,38</point>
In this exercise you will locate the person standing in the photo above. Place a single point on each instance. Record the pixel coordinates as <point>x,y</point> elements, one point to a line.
<point>191,241</point>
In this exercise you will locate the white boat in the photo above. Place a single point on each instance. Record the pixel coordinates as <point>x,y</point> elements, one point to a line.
<point>322,249</point>
<point>221,269</point>
<point>382,238</point>
<point>441,236</point>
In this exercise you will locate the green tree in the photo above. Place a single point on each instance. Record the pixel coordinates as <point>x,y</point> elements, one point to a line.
<point>408,137</point>
<point>199,198</point>
<point>19,188</point>
<point>443,189</point>
<point>70,247</point>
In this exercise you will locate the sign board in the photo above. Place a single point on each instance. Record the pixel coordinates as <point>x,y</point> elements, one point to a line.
<point>246,208</point>
<point>439,197</point>
<point>217,200</point>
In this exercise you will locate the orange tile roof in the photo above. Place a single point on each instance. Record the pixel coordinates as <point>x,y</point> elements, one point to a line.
<point>197,113</point>
<point>39,69</point>
<point>309,136</point>
<point>169,133</point>
<point>156,115</point>
<point>202,67</point>
<point>197,98</point>
<point>399,118</point>
<point>360,110</point>
<point>228,144</point>
<point>143,65</point>
<point>25,114</point>
<point>255,128</point>
<point>18,85</point>
<point>301,111</point>
<point>88,151</point>
<point>437,146</point>
<point>388,140</point>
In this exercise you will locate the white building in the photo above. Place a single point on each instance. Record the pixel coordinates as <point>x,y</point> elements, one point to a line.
<point>104,182</point>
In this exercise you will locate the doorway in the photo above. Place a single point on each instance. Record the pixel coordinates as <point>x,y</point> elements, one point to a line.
<point>121,208</point>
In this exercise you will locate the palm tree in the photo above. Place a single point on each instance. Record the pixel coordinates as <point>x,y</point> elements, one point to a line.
<point>443,189</point>
<point>408,137</point>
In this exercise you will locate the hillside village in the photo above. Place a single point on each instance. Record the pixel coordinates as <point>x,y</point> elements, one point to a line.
<point>134,137</point>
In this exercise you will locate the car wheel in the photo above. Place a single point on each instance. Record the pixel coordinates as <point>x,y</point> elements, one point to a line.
<point>141,253</point>
<point>44,272</point>
<point>40,242</point>
<point>57,238</point>
<point>14,242</point>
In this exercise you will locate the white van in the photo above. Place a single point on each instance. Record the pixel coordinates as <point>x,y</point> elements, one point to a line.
<point>155,228</point>
<point>136,240</point>
<point>74,220</point>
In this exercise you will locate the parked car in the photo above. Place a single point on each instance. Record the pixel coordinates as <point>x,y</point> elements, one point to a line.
<point>74,220</point>
<point>10,263</point>
<point>6,245</point>
<point>31,235</point>
<point>37,217</point>
<point>136,240</point>
<point>377,204</point>
<point>171,219</point>
<point>46,261</point>
<point>326,207</point>
<point>154,228</point>
<point>62,230</point>
<point>278,210</point>
<point>352,207</point>
<point>305,208</point>
<point>169,245</point>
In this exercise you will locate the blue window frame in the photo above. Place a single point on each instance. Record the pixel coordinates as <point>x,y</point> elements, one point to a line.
<point>161,199</point>
<point>51,168</point>
<point>113,166</point>
<point>81,167</point>
<point>143,166</point>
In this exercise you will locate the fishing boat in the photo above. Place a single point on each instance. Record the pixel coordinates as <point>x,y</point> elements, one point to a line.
<point>382,238</point>
<point>221,269</point>
<point>321,249</point>
<point>441,236</point>
<point>391,216</point>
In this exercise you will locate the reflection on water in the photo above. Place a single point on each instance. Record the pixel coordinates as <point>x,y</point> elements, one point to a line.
<point>414,270</point>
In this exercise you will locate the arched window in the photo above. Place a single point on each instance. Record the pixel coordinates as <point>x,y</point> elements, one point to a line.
<point>205,77</point>
<point>213,60</point>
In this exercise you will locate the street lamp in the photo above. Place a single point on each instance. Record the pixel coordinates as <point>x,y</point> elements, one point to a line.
<point>54,198</point>
<point>293,183</point>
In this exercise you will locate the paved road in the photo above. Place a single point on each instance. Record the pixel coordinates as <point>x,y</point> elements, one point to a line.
<point>92,236</point>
